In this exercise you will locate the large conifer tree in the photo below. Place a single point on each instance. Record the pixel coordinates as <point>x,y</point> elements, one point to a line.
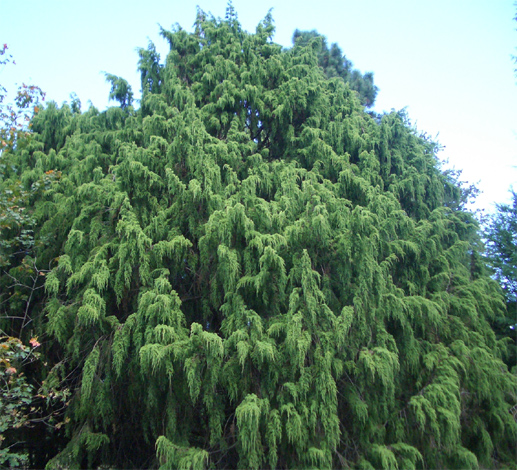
<point>250,271</point>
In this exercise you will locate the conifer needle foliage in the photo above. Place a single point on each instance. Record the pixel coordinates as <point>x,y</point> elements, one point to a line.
<point>252,271</point>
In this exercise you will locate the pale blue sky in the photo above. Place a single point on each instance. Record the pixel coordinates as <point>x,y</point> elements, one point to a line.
<point>447,61</point>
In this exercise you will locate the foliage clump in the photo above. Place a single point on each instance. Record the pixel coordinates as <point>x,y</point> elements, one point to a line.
<point>251,271</point>
<point>501,255</point>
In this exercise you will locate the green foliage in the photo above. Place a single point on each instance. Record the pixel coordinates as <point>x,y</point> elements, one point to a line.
<point>16,397</point>
<point>28,405</point>
<point>22,403</point>
<point>501,235</point>
<point>501,254</point>
<point>250,271</point>
<point>15,218</point>
<point>120,90</point>
<point>335,64</point>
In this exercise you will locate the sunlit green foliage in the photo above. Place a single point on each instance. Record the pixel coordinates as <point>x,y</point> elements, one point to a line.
<point>250,271</point>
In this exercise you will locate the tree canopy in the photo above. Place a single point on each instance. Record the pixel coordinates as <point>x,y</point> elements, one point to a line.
<point>252,271</point>
<point>335,64</point>
<point>501,253</point>
<point>501,237</point>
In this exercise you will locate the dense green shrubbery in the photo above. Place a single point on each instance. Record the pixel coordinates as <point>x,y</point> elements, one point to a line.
<point>250,270</point>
